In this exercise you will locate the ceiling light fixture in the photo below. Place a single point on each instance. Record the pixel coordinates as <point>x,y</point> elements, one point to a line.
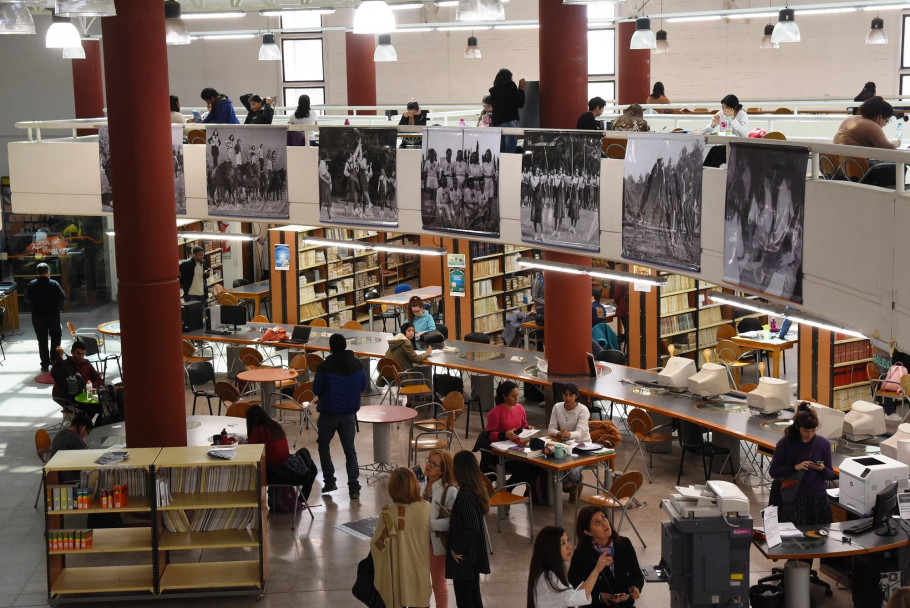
<point>216,236</point>
<point>62,34</point>
<point>786,29</point>
<point>288,12</point>
<point>16,19</point>
<point>373,17</point>
<point>480,10</point>
<point>405,6</point>
<point>269,51</point>
<point>74,52</point>
<point>600,273</point>
<point>643,38</point>
<point>225,36</point>
<point>85,8</point>
<point>663,45</point>
<point>416,249</point>
<point>766,42</point>
<point>877,34</point>
<point>472,51</point>
<point>517,26</point>
<point>215,15</point>
<point>694,19</point>
<point>174,29</point>
<point>384,50</point>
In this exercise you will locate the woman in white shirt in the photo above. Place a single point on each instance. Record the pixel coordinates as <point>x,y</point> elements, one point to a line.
<point>302,115</point>
<point>731,111</point>
<point>569,420</point>
<point>548,585</point>
<point>440,490</point>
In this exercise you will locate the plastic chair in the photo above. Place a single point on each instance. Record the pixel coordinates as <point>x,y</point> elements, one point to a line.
<point>201,374</point>
<point>238,409</point>
<point>43,447</point>
<point>618,498</point>
<point>502,496</point>
<point>692,439</point>
<point>644,432</point>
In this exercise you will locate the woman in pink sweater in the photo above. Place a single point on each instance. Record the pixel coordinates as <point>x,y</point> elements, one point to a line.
<point>505,422</point>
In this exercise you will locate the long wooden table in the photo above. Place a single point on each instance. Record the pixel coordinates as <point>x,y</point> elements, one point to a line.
<point>775,346</point>
<point>257,292</point>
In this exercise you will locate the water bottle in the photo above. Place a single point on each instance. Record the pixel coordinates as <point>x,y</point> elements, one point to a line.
<point>88,390</point>
<point>461,123</point>
<point>900,131</point>
<point>728,128</point>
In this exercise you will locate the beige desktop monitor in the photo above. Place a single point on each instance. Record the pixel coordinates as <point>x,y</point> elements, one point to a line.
<point>830,421</point>
<point>771,395</point>
<point>890,445</point>
<point>711,381</point>
<point>864,420</point>
<point>676,372</point>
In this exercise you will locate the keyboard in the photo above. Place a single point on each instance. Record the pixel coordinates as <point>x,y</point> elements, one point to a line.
<point>217,332</point>
<point>861,526</point>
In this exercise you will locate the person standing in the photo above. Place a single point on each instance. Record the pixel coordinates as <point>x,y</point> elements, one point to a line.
<point>193,272</point>
<point>338,384</point>
<point>46,297</point>
<point>440,491</point>
<point>506,98</point>
<point>466,555</point>
<point>619,584</point>
<point>548,585</point>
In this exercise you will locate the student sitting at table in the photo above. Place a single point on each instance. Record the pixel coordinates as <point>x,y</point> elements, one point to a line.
<point>505,422</point>
<point>71,375</point>
<point>261,428</point>
<point>569,420</point>
<point>419,317</point>
<point>866,129</point>
<point>401,348</point>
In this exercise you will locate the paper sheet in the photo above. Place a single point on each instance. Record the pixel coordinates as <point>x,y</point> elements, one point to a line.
<point>772,531</point>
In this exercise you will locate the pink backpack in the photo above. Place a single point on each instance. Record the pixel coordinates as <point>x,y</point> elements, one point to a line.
<point>892,381</point>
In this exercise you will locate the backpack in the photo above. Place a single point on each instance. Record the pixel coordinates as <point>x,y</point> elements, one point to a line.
<point>892,380</point>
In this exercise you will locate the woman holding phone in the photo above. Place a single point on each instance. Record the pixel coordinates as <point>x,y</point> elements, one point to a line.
<point>548,586</point>
<point>439,490</point>
<point>620,583</point>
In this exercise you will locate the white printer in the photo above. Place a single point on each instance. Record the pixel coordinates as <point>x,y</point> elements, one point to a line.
<point>717,499</point>
<point>862,477</point>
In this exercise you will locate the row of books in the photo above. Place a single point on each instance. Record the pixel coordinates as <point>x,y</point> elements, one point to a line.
<point>345,234</point>
<point>518,298</point>
<point>671,325</point>
<point>334,254</point>
<point>487,306</point>
<point>339,269</point>
<point>207,520</point>
<point>311,257</point>
<point>336,304</point>
<point>215,259</point>
<point>209,479</point>
<point>137,480</point>
<point>340,318</point>
<point>311,309</point>
<point>511,262</point>
<point>710,315</point>
<point>485,268</point>
<point>489,324</point>
<point>852,351</point>
<point>852,374</point>
<point>482,288</point>
<point>844,399</point>
<point>371,260</point>
<point>338,285</point>
<point>674,303</point>
<point>482,249</point>
<point>518,282</point>
<point>677,282</point>
<point>364,280</point>
<point>707,337</point>
<point>308,293</point>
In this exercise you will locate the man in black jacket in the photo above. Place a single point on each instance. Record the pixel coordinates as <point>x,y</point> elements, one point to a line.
<point>193,272</point>
<point>588,121</point>
<point>338,383</point>
<point>46,297</point>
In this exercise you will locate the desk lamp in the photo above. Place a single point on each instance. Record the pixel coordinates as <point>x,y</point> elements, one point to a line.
<point>711,381</point>
<point>891,445</point>
<point>864,420</point>
<point>676,373</point>
<point>771,395</point>
<point>830,421</point>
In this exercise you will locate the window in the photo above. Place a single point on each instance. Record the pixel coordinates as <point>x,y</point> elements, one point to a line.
<point>607,90</point>
<point>302,62</point>
<point>905,46</point>
<point>302,59</point>
<point>292,94</point>
<point>301,20</point>
<point>601,61</point>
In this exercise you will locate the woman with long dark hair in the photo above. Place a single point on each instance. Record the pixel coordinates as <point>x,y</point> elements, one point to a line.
<point>466,555</point>
<point>732,113</point>
<point>303,115</point>
<point>261,428</point>
<point>548,585</point>
<point>802,461</point>
<point>620,583</point>
<point>657,94</point>
<point>505,422</point>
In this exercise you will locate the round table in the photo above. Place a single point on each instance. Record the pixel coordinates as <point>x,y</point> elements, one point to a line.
<point>110,328</point>
<point>199,431</point>
<point>267,377</point>
<point>382,417</point>
<point>86,399</point>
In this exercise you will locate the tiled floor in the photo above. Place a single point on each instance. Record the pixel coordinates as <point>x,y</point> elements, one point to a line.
<point>315,565</point>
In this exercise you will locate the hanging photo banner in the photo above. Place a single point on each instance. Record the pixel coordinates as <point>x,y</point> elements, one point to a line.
<point>765,211</point>
<point>661,200</point>
<point>246,168</point>
<point>560,194</point>
<point>357,176</point>
<point>179,176</point>
<point>459,181</point>
<point>104,159</point>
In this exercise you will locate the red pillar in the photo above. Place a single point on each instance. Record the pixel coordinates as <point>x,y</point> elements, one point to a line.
<point>135,64</point>
<point>563,43</point>
<point>567,322</point>
<point>359,49</point>
<point>633,78</point>
<point>88,87</point>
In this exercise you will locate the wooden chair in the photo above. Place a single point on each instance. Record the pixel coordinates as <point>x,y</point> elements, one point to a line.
<point>411,384</point>
<point>774,135</point>
<point>435,433</point>
<point>385,275</point>
<point>299,402</point>
<point>318,322</point>
<point>503,496</point>
<point>43,447</point>
<point>731,355</point>
<point>854,167</point>
<point>238,409</point>
<point>644,432</point>
<point>829,165</point>
<point>313,361</point>
<point>618,498</point>
<point>753,110</point>
<point>226,299</point>
<point>725,332</point>
<point>229,395</point>
<point>195,136</point>
<point>748,387</point>
<point>259,319</point>
<point>614,148</point>
<point>783,111</point>
<point>192,355</point>
<point>353,325</point>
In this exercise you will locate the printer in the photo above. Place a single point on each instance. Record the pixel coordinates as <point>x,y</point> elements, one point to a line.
<point>862,477</point>
<point>717,499</point>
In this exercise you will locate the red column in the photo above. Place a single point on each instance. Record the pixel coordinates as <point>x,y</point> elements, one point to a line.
<point>567,322</point>
<point>633,78</point>
<point>359,49</point>
<point>135,63</point>
<point>88,87</point>
<point>563,43</point>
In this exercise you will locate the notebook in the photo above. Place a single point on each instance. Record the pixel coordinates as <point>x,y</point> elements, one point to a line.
<point>300,335</point>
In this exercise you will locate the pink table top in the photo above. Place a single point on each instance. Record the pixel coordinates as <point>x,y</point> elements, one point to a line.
<point>381,414</point>
<point>267,374</point>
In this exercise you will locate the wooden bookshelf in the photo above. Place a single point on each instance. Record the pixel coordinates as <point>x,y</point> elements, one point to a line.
<point>498,286</point>
<point>689,319</point>
<point>849,378</point>
<point>213,253</point>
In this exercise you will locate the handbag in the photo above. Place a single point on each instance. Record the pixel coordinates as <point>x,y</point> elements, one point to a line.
<point>443,535</point>
<point>300,463</point>
<point>789,487</point>
<point>364,589</point>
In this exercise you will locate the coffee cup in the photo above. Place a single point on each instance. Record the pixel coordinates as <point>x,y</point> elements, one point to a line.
<point>559,452</point>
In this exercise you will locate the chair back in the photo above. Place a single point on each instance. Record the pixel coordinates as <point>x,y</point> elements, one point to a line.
<point>226,299</point>
<point>352,324</point>
<point>872,371</point>
<point>748,387</point>
<point>854,167</point>
<point>690,434</point>
<point>91,345</point>
<point>61,398</point>
<point>318,322</point>
<point>402,287</point>
<point>312,361</point>
<point>303,394</point>
<point>388,370</point>
<point>443,330</point>
<point>250,356</point>
<point>227,392</point>
<point>828,164</point>
<point>299,363</point>
<point>611,355</point>
<point>259,319</point>
<point>217,289</point>
<point>748,324</point>
<point>201,373</point>
<point>238,410</point>
<point>725,332</point>
<point>626,485</point>
<point>727,351</point>
<point>783,111</point>
<point>639,422</point>
<point>454,404</point>
<point>774,135</point>
<point>43,445</point>
<point>444,384</point>
<point>195,136</point>
<point>478,337</point>
<point>905,384</point>
<point>188,348</point>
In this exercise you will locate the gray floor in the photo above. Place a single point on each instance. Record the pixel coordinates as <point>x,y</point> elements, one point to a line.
<point>314,565</point>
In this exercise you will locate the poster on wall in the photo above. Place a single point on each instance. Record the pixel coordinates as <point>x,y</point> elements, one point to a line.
<point>104,159</point>
<point>459,181</point>
<point>661,200</point>
<point>560,193</point>
<point>282,257</point>
<point>764,214</point>
<point>246,171</point>
<point>357,176</point>
<point>179,177</point>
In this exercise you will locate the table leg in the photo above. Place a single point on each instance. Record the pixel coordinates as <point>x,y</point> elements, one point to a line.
<point>370,306</point>
<point>256,307</point>
<point>382,452</point>
<point>556,493</point>
<point>268,389</point>
<point>500,482</point>
<point>775,362</point>
<point>527,340</point>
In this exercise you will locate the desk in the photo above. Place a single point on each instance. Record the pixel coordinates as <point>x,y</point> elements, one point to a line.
<point>382,417</point>
<point>257,292</point>
<point>199,431</point>
<point>401,299</point>
<point>556,467</point>
<point>775,346</point>
<point>110,328</point>
<point>267,377</point>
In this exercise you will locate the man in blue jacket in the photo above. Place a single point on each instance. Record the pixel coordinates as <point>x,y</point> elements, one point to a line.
<point>338,384</point>
<point>221,108</point>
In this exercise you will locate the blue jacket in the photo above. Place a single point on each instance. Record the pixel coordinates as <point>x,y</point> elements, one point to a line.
<point>222,112</point>
<point>338,384</point>
<point>424,323</point>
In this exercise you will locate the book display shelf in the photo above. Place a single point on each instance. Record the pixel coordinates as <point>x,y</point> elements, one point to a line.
<point>689,319</point>
<point>499,286</point>
<point>213,253</point>
<point>850,380</point>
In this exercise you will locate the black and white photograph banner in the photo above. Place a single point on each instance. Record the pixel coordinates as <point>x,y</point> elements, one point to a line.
<point>764,215</point>
<point>661,200</point>
<point>560,190</point>
<point>358,176</point>
<point>179,176</point>
<point>459,181</point>
<point>104,160</point>
<point>247,173</point>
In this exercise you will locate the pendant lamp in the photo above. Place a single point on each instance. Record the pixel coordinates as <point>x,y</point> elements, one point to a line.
<point>766,39</point>
<point>62,34</point>
<point>373,17</point>
<point>85,8</point>
<point>385,51</point>
<point>480,10</point>
<point>663,45</point>
<point>877,34</point>
<point>174,29</point>
<point>786,29</point>
<point>472,51</point>
<point>643,38</point>
<point>269,51</point>
<point>16,19</point>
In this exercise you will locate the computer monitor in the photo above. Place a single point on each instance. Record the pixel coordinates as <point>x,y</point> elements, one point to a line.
<point>711,381</point>
<point>864,421</point>
<point>885,504</point>
<point>889,446</point>
<point>771,395</point>
<point>233,315</point>
<point>785,329</point>
<point>676,373</point>
<point>830,421</point>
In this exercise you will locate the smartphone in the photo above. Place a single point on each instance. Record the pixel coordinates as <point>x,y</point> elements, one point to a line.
<point>820,462</point>
<point>197,115</point>
<point>418,472</point>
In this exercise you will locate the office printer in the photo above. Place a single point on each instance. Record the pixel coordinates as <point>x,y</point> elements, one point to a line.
<point>716,499</point>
